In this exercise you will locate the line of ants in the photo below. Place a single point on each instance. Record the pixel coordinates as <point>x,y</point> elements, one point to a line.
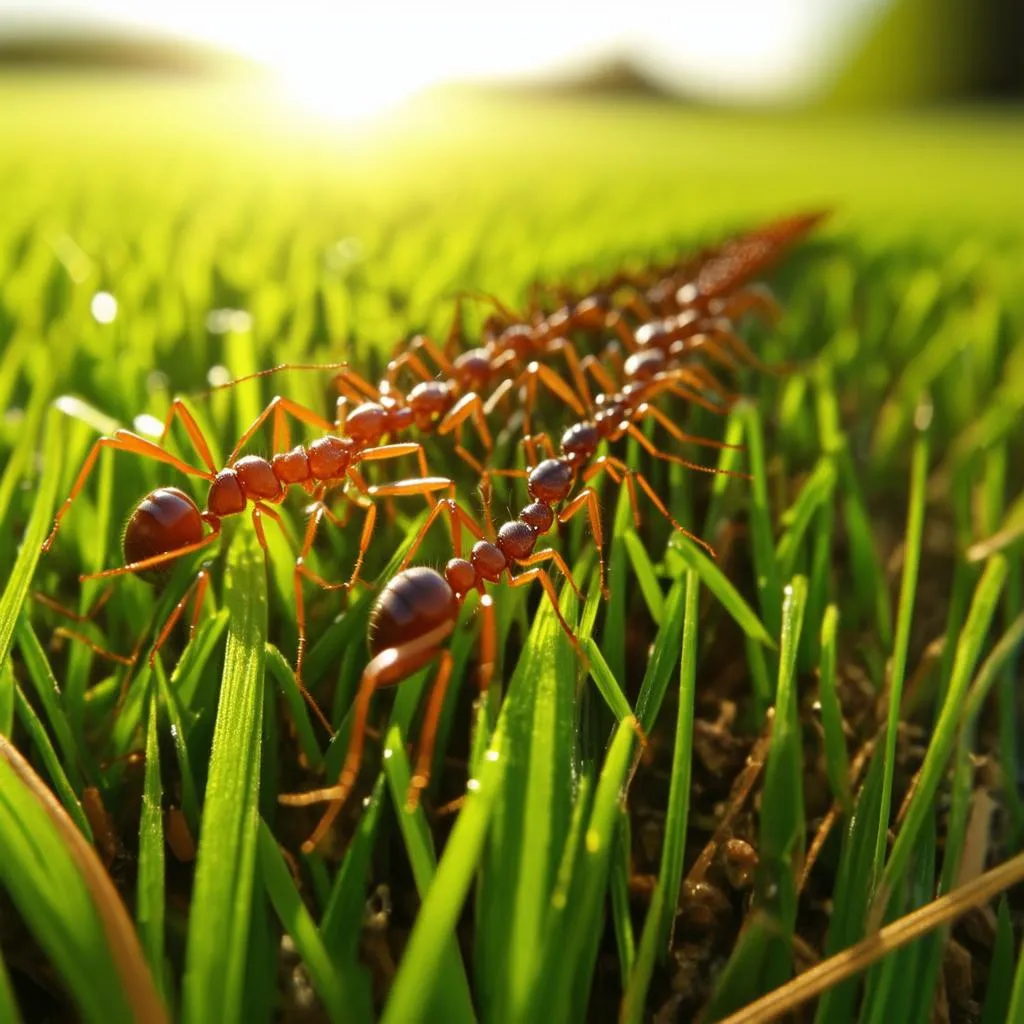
<point>667,326</point>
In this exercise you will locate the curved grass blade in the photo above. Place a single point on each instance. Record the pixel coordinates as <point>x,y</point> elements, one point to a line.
<point>983,607</point>
<point>38,667</point>
<point>343,916</point>
<point>904,615</point>
<point>656,938</point>
<point>21,575</point>
<point>41,739</point>
<point>225,866</point>
<point>342,1002</point>
<point>8,1006</point>
<point>663,659</point>
<point>568,963</point>
<point>150,907</point>
<point>440,910</point>
<point>452,999</point>
<point>837,762</point>
<point>297,707</point>
<point>68,901</point>
<point>716,581</point>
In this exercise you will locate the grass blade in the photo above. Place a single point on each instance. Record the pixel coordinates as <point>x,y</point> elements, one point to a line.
<point>68,900</point>
<point>341,1002</point>
<point>417,973</point>
<point>716,581</point>
<point>150,909</point>
<point>837,763</point>
<point>226,861</point>
<point>452,1000</point>
<point>21,575</point>
<point>904,617</point>
<point>983,607</point>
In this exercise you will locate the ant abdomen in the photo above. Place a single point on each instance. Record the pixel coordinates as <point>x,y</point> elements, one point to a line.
<point>416,602</point>
<point>165,520</point>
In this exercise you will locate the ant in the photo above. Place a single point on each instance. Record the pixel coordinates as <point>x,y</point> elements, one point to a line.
<point>417,610</point>
<point>168,524</point>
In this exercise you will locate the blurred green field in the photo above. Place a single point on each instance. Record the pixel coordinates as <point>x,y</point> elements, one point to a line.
<point>905,317</point>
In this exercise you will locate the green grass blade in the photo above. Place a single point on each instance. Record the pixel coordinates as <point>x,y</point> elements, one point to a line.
<point>816,491</point>
<point>983,606</point>
<point>39,671</point>
<point>677,811</point>
<point>18,582</point>
<point>41,740</point>
<point>341,1002</point>
<point>1000,978</point>
<point>1016,1010</point>
<point>225,865</point>
<point>149,905</point>
<point>663,659</point>
<point>298,709</point>
<point>570,960</point>
<point>837,763</point>
<point>646,578</point>
<point>718,583</point>
<point>605,681</point>
<point>439,913</point>
<point>452,1000</point>
<point>783,828</point>
<point>67,900</point>
<point>343,916</point>
<point>904,619</point>
<point>769,580</point>
<point>8,1005</point>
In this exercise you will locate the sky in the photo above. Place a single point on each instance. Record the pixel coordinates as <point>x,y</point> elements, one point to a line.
<point>369,53</point>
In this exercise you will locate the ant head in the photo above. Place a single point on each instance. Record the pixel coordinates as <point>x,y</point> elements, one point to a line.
<point>165,520</point>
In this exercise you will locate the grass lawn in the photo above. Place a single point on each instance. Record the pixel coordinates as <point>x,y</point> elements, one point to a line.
<point>856,593</point>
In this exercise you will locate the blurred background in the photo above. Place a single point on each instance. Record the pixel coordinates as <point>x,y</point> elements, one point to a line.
<point>356,60</point>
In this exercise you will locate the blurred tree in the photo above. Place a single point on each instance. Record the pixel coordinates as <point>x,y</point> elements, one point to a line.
<point>930,51</point>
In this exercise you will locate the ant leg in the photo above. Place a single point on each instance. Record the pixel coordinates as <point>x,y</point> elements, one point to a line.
<point>69,613</point>
<point>590,364</point>
<point>652,449</point>
<point>428,732</point>
<point>732,341</point>
<point>541,440</point>
<point>559,346</point>
<point>155,560</point>
<point>460,520</point>
<point>488,645</point>
<point>387,668</point>
<point>587,499</point>
<point>179,410</point>
<point>422,341</point>
<point>197,588</point>
<point>469,407</point>
<point>103,652</point>
<point>618,324</point>
<point>618,470</point>
<point>453,342</point>
<point>299,573</point>
<point>550,554</point>
<point>645,409</point>
<point>413,362</point>
<point>753,298</point>
<point>396,451</point>
<point>524,579</point>
<point>540,373</point>
<point>504,387</point>
<point>122,441</point>
<point>279,406</point>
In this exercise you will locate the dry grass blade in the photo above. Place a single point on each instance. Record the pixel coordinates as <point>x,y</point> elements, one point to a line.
<point>125,950</point>
<point>894,936</point>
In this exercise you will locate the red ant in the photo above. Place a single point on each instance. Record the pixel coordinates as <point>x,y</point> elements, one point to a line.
<point>167,524</point>
<point>419,607</point>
